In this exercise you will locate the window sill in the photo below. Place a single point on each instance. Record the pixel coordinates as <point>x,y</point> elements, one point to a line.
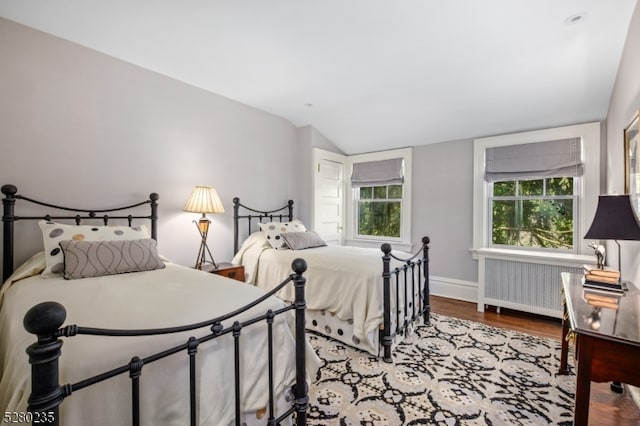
<point>395,245</point>
<point>532,255</point>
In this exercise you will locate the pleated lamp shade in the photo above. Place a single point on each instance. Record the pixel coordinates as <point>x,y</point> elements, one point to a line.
<point>204,199</point>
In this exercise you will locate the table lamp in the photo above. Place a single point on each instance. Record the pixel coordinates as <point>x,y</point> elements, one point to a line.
<point>204,199</point>
<point>615,220</point>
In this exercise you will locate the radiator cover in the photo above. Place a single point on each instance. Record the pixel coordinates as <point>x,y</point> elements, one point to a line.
<point>528,286</point>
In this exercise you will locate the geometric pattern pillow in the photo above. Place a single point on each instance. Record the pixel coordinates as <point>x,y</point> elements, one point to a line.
<point>86,259</point>
<point>303,240</point>
<point>53,233</point>
<point>274,230</point>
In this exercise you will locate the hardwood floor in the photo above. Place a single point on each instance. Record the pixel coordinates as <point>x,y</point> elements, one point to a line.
<point>606,408</point>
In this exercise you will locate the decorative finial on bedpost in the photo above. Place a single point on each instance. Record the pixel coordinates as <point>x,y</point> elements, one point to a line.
<point>236,200</point>
<point>386,248</point>
<point>300,389</point>
<point>9,190</point>
<point>44,320</point>
<point>426,240</point>
<point>299,266</point>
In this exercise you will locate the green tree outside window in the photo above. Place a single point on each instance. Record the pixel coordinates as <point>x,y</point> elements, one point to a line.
<point>536,213</point>
<point>379,211</point>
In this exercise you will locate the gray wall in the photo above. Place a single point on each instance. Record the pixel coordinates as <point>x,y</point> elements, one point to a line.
<point>442,207</point>
<point>80,127</point>
<point>625,103</point>
<point>70,117</point>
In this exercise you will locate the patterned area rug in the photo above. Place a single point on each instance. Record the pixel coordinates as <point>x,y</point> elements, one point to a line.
<point>453,372</point>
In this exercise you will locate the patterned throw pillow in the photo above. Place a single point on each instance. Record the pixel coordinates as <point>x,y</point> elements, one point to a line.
<point>273,231</point>
<point>86,259</point>
<point>303,240</point>
<point>53,233</point>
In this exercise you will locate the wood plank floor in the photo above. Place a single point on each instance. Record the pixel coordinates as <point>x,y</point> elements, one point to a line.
<point>606,408</point>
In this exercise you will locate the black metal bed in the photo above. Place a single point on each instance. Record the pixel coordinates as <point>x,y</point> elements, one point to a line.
<point>45,320</point>
<point>406,281</point>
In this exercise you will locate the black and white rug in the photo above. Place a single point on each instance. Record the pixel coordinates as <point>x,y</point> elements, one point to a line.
<point>453,372</point>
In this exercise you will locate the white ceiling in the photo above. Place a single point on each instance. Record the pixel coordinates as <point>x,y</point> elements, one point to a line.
<point>379,73</point>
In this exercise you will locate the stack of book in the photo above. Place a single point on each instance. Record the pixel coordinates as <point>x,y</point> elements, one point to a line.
<point>605,278</point>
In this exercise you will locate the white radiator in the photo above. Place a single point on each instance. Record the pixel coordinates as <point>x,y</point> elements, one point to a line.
<point>523,285</point>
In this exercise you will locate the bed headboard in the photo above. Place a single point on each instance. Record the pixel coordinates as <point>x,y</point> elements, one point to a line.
<point>284,212</point>
<point>9,218</point>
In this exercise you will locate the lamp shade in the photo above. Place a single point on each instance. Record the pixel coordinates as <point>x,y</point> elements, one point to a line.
<point>204,199</point>
<point>614,220</point>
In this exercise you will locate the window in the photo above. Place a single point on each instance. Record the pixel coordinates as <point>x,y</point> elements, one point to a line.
<point>380,199</point>
<point>535,213</point>
<point>536,191</point>
<point>379,210</point>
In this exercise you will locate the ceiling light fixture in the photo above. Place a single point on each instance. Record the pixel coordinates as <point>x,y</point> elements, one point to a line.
<point>574,19</point>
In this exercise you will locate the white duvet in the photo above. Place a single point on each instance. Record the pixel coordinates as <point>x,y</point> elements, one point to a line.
<point>345,281</point>
<point>172,296</point>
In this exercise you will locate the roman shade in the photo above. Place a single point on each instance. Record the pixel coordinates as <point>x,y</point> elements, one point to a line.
<point>562,157</point>
<point>372,173</point>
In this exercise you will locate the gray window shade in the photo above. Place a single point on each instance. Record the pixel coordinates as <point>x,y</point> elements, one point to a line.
<point>561,157</point>
<point>383,172</point>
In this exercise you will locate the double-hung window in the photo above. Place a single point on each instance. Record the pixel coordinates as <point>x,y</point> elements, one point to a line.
<point>380,188</point>
<point>532,194</point>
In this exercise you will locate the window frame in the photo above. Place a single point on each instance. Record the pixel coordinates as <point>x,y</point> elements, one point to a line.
<point>587,192</point>
<point>352,237</point>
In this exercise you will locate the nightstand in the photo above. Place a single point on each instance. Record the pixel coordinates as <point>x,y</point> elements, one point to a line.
<point>229,270</point>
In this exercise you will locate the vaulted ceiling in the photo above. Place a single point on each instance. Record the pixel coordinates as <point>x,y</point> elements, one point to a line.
<point>368,74</point>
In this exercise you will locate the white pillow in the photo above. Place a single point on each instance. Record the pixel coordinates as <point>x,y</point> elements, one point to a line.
<point>53,233</point>
<point>274,230</point>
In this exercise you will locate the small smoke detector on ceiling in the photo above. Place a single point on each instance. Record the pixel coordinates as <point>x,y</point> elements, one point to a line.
<point>308,104</point>
<point>574,19</point>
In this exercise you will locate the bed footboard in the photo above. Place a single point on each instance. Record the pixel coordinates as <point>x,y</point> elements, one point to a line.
<point>410,282</point>
<point>45,321</point>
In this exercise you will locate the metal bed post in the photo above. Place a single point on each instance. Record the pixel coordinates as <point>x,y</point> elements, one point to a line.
<point>8,220</point>
<point>426,292</point>
<point>154,215</point>
<point>236,206</point>
<point>385,333</point>
<point>44,320</point>
<point>301,391</point>
<point>290,207</point>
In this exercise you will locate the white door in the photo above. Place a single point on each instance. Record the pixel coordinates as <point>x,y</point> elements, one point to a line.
<point>328,209</point>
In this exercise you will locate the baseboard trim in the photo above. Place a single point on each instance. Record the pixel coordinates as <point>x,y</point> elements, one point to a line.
<point>454,289</point>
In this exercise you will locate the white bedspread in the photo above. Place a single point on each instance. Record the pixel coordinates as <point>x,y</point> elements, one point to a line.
<point>172,296</point>
<point>345,281</point>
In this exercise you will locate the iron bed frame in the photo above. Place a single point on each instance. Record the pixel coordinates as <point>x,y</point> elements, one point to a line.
<point>412,277</point>
<point>45,320</point>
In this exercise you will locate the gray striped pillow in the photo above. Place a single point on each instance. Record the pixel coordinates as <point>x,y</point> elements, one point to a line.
<point>85,259</point>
